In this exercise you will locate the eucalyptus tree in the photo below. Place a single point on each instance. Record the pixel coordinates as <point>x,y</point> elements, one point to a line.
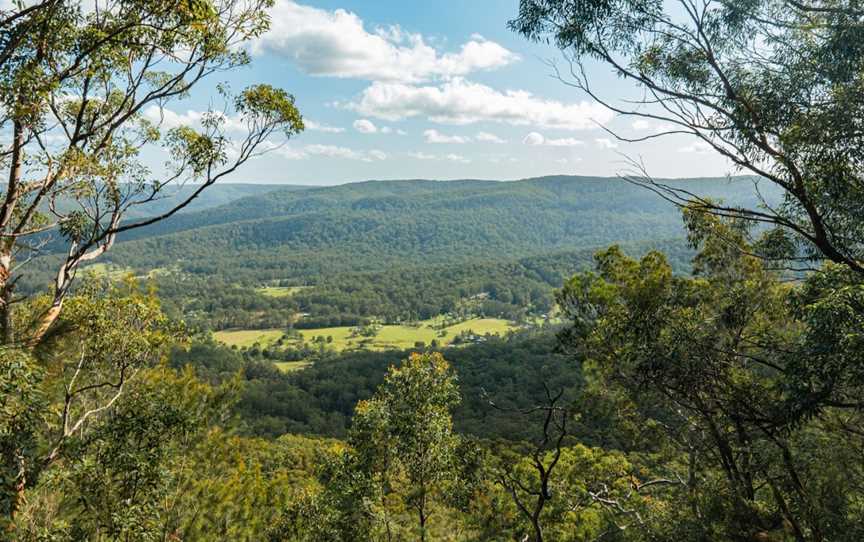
<point>775,86</point>
<point>755,383</point>
<point>83,91</point>
<point>404,433</point>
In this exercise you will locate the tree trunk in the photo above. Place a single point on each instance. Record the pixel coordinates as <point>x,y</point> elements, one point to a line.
<point>7,243</point>
<point>538,530</point>
<point>421,511</point>
<point>45,322</point>
<point>6,315</point>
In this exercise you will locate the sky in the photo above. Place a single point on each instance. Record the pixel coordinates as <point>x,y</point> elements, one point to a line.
<point>436,90</point>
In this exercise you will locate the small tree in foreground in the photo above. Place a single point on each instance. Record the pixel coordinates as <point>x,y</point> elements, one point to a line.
<point>403,461</point>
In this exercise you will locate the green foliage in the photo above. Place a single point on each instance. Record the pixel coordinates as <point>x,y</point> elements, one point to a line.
<point>89,91</point>
<point>435,245</point>
<point>115,477</point>
<point>777,86</point>
<point>321,398</point>
<point>22,415</point>
<point>401,461</point>
<point>728,364</point>
<point>269,105</point>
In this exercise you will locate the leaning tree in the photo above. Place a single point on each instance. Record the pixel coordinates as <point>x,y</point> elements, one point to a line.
<point>775,86</point>
<point>83,92</point>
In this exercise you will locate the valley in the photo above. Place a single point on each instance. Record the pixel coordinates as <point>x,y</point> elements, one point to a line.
<point>395,251</point>
<point>374,337</point>
<point>354,271</point>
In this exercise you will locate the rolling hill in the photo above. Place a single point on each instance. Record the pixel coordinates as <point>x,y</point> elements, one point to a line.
<point>400,249</point>
<point>297,234</point>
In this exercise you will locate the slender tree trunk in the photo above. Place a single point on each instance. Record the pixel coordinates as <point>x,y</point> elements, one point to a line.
<point>421,511</point>
<point>535,524</point>
<point>20,487</point>
<point>46,320</point>
<point>7,243</point>
<point>8,336</point>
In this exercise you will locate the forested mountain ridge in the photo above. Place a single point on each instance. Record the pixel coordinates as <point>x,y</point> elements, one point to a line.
<point>171,196</point>
<point>402,249</point>
<point>288,234</point>
<point>542,193</point>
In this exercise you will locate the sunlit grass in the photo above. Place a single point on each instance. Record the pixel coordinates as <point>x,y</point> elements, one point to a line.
<point>279,291</point>
<point>247,337</point>
<point>390,337</point>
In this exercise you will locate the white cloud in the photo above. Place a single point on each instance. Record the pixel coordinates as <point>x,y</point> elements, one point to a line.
<point>168,119</point>
<point>422,156</point>
<point>605,143</point>
<point>536,139</point>
<point>318,127</point>
<point>329,151</point>
<point>462,102</point>
<point>452,157</point>
<point>434,136</point>
<point>700,147</point>
<point>281,149</point>
<point>365,126</point>
<point>641,125</point>
<point>333,151</point>
<point>290,153</point>
<point>488,138</point>
<point>457,158</point>
<point>336,44</point>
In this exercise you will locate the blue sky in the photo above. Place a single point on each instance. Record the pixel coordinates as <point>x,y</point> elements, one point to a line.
<point>439,90</point>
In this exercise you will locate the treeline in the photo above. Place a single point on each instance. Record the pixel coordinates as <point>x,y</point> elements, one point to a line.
<point>320,399</point>
<point>501,288</point>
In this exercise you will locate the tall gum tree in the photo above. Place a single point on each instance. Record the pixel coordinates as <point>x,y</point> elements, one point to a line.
<point>76,79</point>
<point>775,86</point>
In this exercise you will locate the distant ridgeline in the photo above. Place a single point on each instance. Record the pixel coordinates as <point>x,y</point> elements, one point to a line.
<point>399,249</point>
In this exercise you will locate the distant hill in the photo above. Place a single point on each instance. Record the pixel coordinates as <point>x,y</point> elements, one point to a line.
<point>214,196</point>
<point>294,233</point>
<point>402,249</point>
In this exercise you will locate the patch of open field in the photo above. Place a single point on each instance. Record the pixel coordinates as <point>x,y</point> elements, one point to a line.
<point>482,326</point>
<point>247,337</point>
<point>115,272</point>
<point>390,337</point>
<point>291,366</point>
<point>279,291</point>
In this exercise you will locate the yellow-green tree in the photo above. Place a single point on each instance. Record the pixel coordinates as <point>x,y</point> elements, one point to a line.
<point>404,433</point>
<point>75,83</point>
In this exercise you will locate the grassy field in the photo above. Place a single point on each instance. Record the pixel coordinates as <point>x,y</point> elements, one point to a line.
<point>112,272</point>
<point>389,337</point>
<point>291,366</point>
<point>115,272</point>
<point>247,337</point>
<point>279,291</point>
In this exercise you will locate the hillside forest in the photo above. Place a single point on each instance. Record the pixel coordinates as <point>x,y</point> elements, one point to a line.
<point>561,358</point>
